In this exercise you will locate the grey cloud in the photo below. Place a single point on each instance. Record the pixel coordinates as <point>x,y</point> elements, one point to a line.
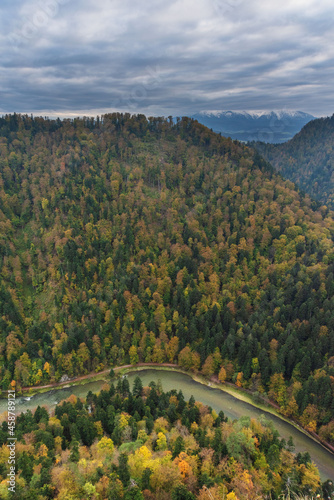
<point>167,58</point>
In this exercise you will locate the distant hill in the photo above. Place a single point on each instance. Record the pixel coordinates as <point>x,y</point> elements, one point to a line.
<point>308,159</point>
<point>265,126</point>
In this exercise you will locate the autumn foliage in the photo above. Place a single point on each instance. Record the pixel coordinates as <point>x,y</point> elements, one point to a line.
<point>127,239</point>
<point>120,444</point>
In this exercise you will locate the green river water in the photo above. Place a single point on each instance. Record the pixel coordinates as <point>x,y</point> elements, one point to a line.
<point>217,399</point>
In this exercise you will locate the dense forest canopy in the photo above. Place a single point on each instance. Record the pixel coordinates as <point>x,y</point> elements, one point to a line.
<point>126,239</point>
<point>146,444</point>
<point>307,160</point>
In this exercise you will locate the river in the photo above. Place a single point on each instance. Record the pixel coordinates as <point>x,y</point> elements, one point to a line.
<point>217,399</point>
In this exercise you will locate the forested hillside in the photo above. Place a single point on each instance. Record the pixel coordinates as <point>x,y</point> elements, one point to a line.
<point>145,444</point>
<point>307,160</point>
<point>128,239</point>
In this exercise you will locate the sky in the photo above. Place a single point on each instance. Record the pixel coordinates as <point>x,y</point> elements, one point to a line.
<point>157,57</point>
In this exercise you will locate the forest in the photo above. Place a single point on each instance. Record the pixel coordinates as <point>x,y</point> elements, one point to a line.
<point>146,444</point>
<point>307,159</point>
<point>126,239</point>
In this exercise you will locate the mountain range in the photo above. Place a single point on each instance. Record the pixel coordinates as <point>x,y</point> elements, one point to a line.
<point>265,126</point>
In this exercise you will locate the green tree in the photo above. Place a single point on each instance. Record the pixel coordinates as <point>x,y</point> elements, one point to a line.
<point>182,493</point>
<point>123,469</point>
<point>178,446</point>
<point>137,386</point>
<point>75,456</point>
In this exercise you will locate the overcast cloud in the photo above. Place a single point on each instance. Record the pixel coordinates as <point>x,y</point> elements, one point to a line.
<point>75,57</point>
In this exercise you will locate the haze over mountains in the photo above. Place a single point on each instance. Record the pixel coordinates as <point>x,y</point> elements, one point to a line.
<point>266,126</point>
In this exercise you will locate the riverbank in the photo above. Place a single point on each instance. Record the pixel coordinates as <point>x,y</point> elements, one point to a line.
<point>238,392</point>
<point>39,389</point>
<point>242,395</point>
<point>229,388</point>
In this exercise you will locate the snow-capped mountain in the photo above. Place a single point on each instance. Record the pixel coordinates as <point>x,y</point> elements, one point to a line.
<point>266,126</point>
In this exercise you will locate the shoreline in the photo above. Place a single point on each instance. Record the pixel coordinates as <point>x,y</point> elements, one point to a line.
<point>242,395</point>
<point>228,387</point>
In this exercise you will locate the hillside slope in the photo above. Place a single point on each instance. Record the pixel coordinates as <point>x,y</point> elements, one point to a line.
<point>126,239</point>
<point>308,159</point>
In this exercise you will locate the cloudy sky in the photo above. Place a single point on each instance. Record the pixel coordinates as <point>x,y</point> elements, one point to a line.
<point>176,57</point>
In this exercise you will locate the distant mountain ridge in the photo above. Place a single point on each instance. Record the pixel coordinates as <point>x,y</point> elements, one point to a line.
<point>266,126</point>
<point>308,159</point>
